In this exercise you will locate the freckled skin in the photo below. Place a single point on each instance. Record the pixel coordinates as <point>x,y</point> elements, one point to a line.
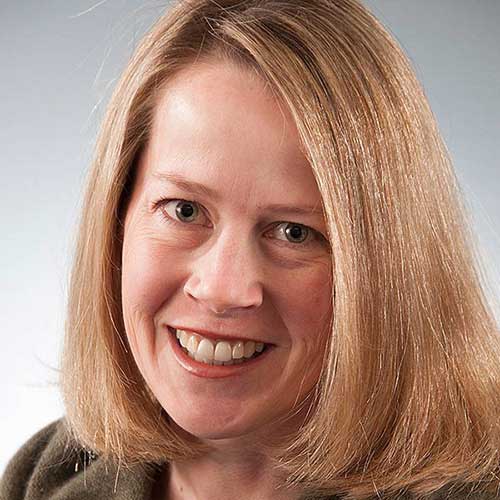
<point>221,127</point>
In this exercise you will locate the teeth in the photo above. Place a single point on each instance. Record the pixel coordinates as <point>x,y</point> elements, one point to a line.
<point>249,349</point>
<point>205,351</point>
<point>192,345</point>
<point>238,350</point>
<point>183,337</point>
<point>220,352</point>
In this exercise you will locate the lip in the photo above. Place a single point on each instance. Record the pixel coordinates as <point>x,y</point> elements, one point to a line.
<point>217,336</point>
<point>213,371</point>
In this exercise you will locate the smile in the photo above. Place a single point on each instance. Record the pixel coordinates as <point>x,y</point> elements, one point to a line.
<point>218,352</point>
<point>199,359</point>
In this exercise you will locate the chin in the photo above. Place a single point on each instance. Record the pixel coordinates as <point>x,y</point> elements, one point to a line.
<point>214,426</point>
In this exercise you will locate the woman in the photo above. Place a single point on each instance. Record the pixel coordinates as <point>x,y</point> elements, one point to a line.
<point>274,293</point>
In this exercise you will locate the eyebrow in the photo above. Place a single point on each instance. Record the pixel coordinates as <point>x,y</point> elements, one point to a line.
<point>200,189</point>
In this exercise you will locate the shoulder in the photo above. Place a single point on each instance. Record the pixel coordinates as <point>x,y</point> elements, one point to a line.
<point>51,465</point>
<point>469,491</point>
<point>22,466</point>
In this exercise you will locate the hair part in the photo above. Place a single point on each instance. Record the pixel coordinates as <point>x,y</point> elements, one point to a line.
<point>411,368</point>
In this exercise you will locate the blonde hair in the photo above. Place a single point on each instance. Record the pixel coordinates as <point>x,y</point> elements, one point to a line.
<point>408,396</point>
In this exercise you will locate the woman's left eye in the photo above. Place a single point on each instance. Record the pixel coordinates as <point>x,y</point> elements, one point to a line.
<point>297,234</point>
<point>292,233</point>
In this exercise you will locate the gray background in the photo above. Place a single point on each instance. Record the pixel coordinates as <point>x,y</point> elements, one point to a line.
<point>59,61</point>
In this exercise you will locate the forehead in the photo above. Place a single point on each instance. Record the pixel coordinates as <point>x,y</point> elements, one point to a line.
<point>219,124</point>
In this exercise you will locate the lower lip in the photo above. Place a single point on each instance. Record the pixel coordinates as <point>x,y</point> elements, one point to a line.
<point>213,371</point>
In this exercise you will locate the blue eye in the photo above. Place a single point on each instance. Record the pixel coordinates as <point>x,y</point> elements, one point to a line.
<point>184,210</point>
<point>294,233</point>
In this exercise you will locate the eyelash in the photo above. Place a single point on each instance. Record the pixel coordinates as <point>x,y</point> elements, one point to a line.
<point>316,236</point>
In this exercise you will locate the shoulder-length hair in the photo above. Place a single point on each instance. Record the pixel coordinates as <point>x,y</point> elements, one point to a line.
<point>408,395</point>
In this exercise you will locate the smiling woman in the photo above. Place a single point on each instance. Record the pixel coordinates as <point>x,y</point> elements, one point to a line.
<point>274,294</point>
<point>237,272</point>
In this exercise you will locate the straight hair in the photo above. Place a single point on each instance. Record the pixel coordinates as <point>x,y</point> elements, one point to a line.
<point>407,399</point>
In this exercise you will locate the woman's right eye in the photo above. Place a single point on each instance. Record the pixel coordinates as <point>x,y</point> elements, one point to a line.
<point>181,211</point>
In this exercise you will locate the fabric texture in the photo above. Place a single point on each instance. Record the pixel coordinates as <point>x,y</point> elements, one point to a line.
<point>51,467</point>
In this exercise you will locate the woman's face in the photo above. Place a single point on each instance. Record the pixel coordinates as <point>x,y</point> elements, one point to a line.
<point>224,235</point>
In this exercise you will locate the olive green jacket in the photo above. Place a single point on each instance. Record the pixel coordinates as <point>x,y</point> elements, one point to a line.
<point>51,467</point>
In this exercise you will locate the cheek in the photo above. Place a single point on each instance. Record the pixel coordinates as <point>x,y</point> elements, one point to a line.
<point>148,277</point>
<point>148,282</point>
<point>308,307</point>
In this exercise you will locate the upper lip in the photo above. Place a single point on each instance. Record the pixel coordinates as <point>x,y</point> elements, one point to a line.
<point>215,335</point>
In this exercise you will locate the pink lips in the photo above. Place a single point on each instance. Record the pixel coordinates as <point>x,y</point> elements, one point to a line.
<point>214,371</point>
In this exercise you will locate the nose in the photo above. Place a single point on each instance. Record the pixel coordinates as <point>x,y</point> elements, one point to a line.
<point>226,277</point>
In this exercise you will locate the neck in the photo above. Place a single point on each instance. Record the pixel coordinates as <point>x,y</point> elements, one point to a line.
<point>236,467</point>
<point>225,476</point>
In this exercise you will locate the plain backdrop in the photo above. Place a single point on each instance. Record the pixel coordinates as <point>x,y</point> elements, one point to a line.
<point>59,62</point>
